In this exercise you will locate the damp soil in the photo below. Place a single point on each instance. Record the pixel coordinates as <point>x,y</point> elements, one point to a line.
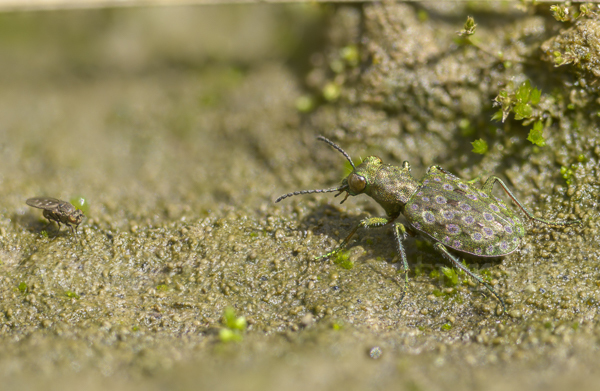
<point>175,129</point>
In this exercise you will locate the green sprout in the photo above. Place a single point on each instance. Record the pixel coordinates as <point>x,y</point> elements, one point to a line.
<point>422,15</point>
<point>564,13</point>
<point>567,174</point>
<point>451,276</point>
<point>585,10</point>
<point>466,38</point>
<point>447,326</point>
<point>522,108</point>
<point>560,13</point>
<point>331,91</point>
<point>480,146</point>
<point>305,103</point>
<point>337,65</point>
<point>565,58</point>
<point>342,258</point>
<point>235,326</point>
<point>23,287</point>
<point>419,270</point>
<point>351,55</point>
<point>72,295</point>
<point>468,28</point>
<point>536,134</point>
<point>486,274</point>
<point>519,101</point>
<point>523,101</point>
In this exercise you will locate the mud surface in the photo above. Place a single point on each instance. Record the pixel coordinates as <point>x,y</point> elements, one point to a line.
<point>175,129</point>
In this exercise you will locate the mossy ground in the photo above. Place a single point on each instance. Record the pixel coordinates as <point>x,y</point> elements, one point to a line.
<point>179,128</point>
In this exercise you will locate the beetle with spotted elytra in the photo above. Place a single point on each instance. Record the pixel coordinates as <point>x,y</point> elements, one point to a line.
<point>451,213</point>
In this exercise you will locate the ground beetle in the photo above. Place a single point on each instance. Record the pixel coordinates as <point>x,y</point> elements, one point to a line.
<point>450,212</point>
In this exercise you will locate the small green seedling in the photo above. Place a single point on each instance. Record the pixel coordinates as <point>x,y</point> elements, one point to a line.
<point>448,211</point>
<point>72,295</point>
<point>234,328</point>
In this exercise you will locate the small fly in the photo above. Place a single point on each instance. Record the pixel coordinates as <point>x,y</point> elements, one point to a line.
<point>59,211</point>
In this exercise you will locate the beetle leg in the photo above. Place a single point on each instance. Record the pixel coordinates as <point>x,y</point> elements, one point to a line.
<point>474,180</point>
<point>444,251</point>
<point>401,234</point>
<point>372,222</point>
<point>489,184</point>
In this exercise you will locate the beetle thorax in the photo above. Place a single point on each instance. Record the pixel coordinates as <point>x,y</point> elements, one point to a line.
<point>390,186</point>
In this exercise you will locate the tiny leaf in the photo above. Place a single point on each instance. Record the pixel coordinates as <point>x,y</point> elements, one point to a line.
<point>228,335</point>
<point>505,101</point>
<point>498,115</point>
<point>536,135</point>
<point>479,146</point>
<point>451,275</point>
<point>560,13</point>
<point>351,55</point>
<point>468,28</point>
<point>331,91</point>
<point>523,92</point>
<point>584,11</point>
<point>535,97</point>
<point>72,295</point>
<point>522,110</point>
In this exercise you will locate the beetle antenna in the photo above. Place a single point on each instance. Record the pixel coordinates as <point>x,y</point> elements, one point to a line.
<point>340,189</point>
<point>338,148</point>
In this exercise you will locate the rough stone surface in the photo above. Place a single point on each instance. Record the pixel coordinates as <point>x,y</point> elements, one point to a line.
<point>179,139</point>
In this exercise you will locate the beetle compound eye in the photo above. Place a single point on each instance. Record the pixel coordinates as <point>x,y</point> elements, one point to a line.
<point>356,183</point>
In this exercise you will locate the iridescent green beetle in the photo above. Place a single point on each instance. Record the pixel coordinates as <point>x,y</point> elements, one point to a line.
<point>450,212</point>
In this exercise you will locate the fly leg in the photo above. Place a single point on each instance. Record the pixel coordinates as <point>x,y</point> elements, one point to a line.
<point>51,217</point>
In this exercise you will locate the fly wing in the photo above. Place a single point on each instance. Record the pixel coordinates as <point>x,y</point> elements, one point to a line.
<point>66,208</point>
<point>46,203</point>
